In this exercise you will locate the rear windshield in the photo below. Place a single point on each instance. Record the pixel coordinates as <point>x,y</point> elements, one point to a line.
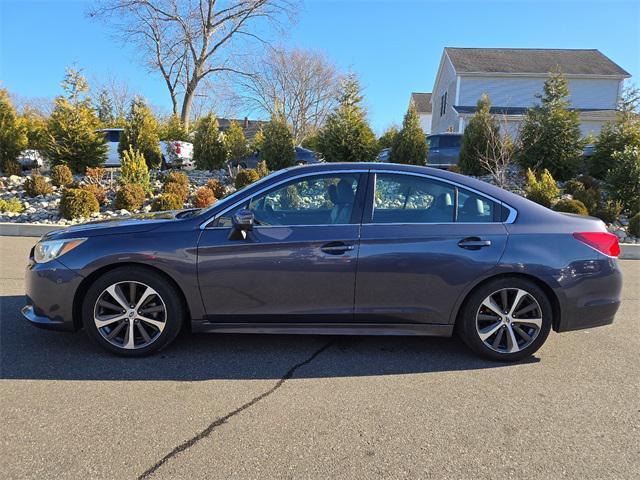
<point>112,135</point>
<point>449,141</point>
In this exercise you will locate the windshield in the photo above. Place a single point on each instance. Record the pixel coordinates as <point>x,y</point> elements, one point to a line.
<point>237,194</point>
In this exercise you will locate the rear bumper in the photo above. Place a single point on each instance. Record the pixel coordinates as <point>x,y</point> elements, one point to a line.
<point>50,290</point>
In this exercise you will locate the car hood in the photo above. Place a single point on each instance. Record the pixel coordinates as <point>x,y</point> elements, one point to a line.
<point>142,222</point>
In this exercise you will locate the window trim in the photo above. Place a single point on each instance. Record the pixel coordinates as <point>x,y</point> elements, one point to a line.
<point>367,218</point>
<point>358,203</point>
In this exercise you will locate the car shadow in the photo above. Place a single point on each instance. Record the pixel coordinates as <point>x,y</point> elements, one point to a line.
<point>30,353</point>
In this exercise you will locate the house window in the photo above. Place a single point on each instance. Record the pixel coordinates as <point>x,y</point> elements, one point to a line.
<point>443,104</point>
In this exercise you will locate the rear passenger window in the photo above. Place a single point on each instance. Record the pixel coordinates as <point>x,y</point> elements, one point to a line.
<point>412,199</point>
<point>474,208</point>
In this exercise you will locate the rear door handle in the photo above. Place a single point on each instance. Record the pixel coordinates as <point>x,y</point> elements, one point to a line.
<point>336,248</point>
<point>474,243</point>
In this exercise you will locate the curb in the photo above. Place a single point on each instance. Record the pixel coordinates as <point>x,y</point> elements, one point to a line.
<point>628,251</point>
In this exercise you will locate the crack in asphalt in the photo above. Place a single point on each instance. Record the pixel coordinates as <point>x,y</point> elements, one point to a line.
<point>222,420</point>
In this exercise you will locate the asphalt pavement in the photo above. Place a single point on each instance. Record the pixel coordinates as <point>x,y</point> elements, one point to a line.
<point>276,406</point>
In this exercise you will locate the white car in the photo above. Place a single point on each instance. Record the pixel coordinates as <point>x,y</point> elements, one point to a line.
<point>175,153</point>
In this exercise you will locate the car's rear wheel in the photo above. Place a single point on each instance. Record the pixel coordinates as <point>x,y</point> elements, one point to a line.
<point>506,319</point>
<point>132,311</point>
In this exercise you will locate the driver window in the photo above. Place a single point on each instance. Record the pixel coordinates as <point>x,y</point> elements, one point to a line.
<point>314,200</point>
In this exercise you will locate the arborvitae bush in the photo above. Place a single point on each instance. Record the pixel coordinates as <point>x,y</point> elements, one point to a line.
<point>166,201</point>
<point>246,177</point>
<point>410,145</point>
<point>634,225</point>
<point>216,187</point>
<point>13,135</point>
<point>571,206</point>
<point>176,177</point>
<point>277,147</point>
<point>141,133</point>
<point>572,186</point>
<point>37,185</point>
<point>99,192</point>
<point>262,169</point>
<point>178,189</point>
<point>544,190</point>
<point>203,198</point>
<point>129,197</point>
<point>61,175</point>
<point>77,202</point>
<point>608,211</point>
<point>235,143</point>
<point>209,151</point>
<point>623,179</point>
<point>134,169</point>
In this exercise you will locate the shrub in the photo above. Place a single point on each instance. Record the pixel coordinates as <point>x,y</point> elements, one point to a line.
<point>94,174</point>
<point>166,201</point>
<point>410,145</point>
<point>99,192</point>
<point>134,169</point>
<point>13,135</point>
<point>176,177</point>
<point>246,177</point>
<point>609,211</point>
<point>623,179</point>
<point>543,191</point>
<point>129,197</point>
<point>572,186</point>
<point>37,185</point>
<point>203,198</point>
<point>634,225</point>
<point>589,182</point>
<point>235,143</point>
<point>277,147</point>
<point>216,187</point>
<point>61,175</point>
<point>178,189</point>
<point>589,197</point>
<point>208,147</point>
<point>141,134</point>
<point>12,205</point>
<point>478,138</point>
<point>262,169</point>
<point>77,202</point>
<point>12,168</point>
<point>571,206</point>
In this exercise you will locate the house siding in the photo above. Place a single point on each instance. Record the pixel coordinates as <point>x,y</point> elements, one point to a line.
<point>521,91</point>
<point>447,83</point>
<point>425,122</point>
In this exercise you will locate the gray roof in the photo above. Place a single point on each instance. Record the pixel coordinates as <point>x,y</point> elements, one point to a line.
<point>533,60</point>
<point>250,127</point>
<point>422,101</point>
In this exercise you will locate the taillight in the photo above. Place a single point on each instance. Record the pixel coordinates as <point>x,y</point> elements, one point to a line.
<point>604,242</point>
<point>177,145</point>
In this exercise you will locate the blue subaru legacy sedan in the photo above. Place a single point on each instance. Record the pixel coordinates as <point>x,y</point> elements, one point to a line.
<point>359,248</point>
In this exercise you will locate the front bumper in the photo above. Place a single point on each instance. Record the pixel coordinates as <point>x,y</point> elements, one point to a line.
<point>50,290</point>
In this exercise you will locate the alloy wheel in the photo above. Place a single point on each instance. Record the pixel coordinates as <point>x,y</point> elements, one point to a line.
<point>130,315</point>
<point>509,320</point>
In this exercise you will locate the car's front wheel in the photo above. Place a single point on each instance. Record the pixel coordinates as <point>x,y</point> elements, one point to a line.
<point>132,311</point>
<point>506,319</point>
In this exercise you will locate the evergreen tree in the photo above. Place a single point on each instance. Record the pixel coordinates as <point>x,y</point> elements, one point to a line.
<point>173,129</point>
<point>36,127</point>
<point>277,147</point>
<point>482,130</point>
<point>208,147</point>
<point>235,142</point>
<point>387,139</point>
<point>76,87</point>
<point>410,145</point>
<point>141,133</point>
<point>104,108</point>
<point>615,137</point>
<point>346,136</point>
<point>13,136</point>
<point>257,141</point>
<point>310,142</point>
<point>550,135</point>
<point>134,169</point>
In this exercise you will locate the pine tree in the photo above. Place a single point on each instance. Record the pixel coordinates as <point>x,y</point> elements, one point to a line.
<point>550,135</point>
<point>134,169</point>
<point>104,108</point>
<point>36,126</point>
<point>277,147</point>
<point>208,147</point>
<point>13,135</point>
<point>346,136</point>
<point>257,141</point>
<point>387,139</point>
<point>75,85</point>
<point>173,129</point>
<point>410,145</point>
<point>482,130</point>
<point>235,142</point>
<point>141,133</point>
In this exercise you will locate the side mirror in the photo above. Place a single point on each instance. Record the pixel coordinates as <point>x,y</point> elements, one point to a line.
<point>242,223</point>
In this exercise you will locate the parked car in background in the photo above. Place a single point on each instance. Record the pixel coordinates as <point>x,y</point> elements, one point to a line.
<point>177,154</point>
<point>384,155</point>
<point>334,248</point>
<point>29,159</point>
<point>304,156</point>
<point>444,149</point>
<point>112,137</point>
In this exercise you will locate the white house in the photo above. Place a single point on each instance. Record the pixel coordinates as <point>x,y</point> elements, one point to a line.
<point>422,102</point>
<point>512,77</point>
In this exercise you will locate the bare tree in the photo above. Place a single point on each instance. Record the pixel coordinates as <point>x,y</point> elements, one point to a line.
<point>500,152</point>
<point>119,92</point>
<point>186,41</point>
<point>300,84</point>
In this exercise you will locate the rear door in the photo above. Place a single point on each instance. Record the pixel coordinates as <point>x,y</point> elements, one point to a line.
<point>422,242</point>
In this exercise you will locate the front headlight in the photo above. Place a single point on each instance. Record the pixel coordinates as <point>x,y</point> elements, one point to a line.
<point>47,250</point>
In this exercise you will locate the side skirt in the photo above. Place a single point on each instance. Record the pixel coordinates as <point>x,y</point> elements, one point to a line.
<point>432,330</point>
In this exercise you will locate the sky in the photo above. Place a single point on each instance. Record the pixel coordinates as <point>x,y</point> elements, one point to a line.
<point>394,46</point>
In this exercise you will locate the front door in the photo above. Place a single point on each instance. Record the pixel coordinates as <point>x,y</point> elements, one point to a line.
<point>423,241</point>
<point>299,261</point>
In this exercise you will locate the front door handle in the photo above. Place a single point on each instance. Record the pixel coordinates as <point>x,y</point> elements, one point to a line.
<point>474,243</point>
<point>336,248</point>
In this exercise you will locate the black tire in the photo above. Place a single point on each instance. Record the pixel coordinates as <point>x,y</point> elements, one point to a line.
<point>468,330</point>
<point>174,314</point>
